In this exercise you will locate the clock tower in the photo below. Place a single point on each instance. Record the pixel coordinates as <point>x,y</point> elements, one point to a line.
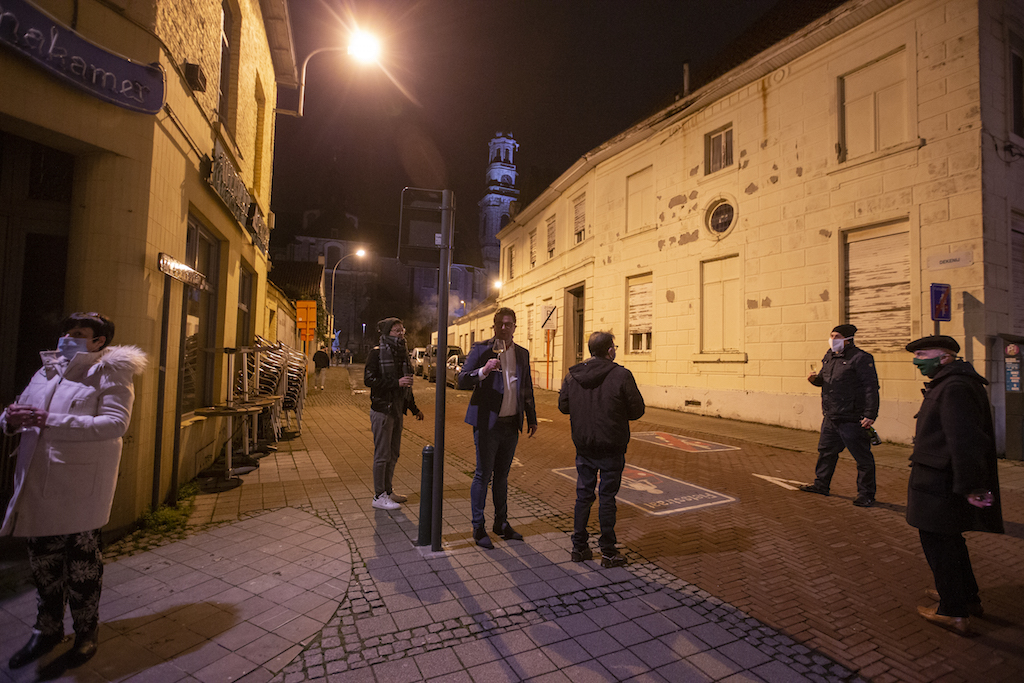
<point>494,207</point>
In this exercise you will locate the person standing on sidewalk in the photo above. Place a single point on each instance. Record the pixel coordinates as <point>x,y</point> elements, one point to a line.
<point>388,373</point>
<point>600,397</point>
<point>954,479</point>
<point>321,361</point>
<point>498,371</point>
<point>849,404</point>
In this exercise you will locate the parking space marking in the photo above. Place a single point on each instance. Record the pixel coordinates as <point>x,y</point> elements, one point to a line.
<point>657,494</point>
<point>784,483</point>
<point>682,443</point>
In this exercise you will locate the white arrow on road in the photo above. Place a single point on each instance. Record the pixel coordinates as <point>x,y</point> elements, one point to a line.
<point>784,483</point>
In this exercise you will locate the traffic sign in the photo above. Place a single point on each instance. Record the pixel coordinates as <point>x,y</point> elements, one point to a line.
<point>942,302</point>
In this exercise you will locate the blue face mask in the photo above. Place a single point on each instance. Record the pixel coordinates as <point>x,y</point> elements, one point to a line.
<point>69,347</point>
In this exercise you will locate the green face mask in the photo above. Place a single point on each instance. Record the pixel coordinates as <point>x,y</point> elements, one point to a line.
<point>928,366</point>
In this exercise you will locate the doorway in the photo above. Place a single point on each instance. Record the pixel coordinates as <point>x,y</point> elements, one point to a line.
<point>575,307</point>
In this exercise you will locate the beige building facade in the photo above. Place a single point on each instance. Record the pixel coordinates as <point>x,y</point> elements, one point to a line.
<point>832,178</point>
<point>180,164</point>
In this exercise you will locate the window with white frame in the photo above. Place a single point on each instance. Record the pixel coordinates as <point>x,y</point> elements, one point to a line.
<point>1017,85</point>
<point>640,200</point>
<point>718,149</point>
<point>721,311</point>
<point>579,218</point>
<point>551,236</point>
<point>877,286</point>
<point>873,107</point>
<point>640,312</point>
<point>533,248</point>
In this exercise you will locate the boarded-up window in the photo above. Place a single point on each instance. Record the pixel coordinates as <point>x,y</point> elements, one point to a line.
<point>640,303</point>
<point>640,200</point>
<point>878,289</point>
<point>874,111</point>
<point>533,248</point>
<point>551,236</point>
<point>579,218</point>
<point>718,149</point>
<point>1017,268</point>
<point>721,314</point>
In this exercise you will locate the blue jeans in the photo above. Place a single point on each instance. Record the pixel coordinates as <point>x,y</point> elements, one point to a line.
<point>850,435</point>
<point>587,469</point>
<point>495,449</point>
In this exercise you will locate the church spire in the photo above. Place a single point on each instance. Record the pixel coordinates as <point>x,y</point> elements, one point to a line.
<point>501,192</point>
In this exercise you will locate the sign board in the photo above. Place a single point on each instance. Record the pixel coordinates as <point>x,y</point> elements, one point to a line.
<point>180,272</point>
<point>305,316</point>
<point>958,259</point>
<point>419,240</point>
<point>1013,374</point>
<point>942,302</point>
<point>549,318</point>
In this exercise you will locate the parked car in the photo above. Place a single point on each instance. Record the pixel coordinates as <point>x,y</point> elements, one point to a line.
<point>417,359</point>
<point>452,369</point>
<point>430,360</point>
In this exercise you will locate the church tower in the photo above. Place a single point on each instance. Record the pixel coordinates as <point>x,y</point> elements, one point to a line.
<point>494,207</point>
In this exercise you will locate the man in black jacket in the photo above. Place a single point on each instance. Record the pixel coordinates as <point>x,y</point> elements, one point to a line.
<point>388,373</point>
<point>849,403</point>
<point>600,397</point>
<point>954,480</point>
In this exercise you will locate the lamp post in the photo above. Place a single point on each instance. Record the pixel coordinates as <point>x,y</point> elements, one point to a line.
<point>334,273</point>
<point>363,47</point>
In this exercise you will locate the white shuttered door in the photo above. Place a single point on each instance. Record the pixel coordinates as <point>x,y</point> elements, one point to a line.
<point>878,291</point>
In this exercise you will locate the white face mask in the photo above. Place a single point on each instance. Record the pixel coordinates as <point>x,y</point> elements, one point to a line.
<point>837,344</point>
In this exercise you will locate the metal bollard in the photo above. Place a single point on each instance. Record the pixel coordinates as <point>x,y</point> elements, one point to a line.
<point>426,495</point>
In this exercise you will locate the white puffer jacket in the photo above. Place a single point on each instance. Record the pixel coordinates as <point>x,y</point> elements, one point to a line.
<point>66,472</point>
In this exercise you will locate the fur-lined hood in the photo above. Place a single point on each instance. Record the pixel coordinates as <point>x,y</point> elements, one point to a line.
<point>118,359</point>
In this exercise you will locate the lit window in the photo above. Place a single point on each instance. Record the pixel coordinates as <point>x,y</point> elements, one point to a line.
<point>640,311</point>
<point>640,200</point>
<point>874,107</point>
<point>718,149</point>
<point>721,314</point>
<point>579,218</point>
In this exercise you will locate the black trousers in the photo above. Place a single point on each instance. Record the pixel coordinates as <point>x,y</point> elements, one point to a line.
<point>850,435</point>
<point>951,566</point>
<point>587,470</point>
<point>67,570</point>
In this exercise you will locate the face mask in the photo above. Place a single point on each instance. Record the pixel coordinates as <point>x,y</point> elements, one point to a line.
<point>69,347</point>
<point>928,366</point>
<point>837,345</point>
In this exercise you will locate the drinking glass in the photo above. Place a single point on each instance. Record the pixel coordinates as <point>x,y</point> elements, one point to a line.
<point>499,347</point>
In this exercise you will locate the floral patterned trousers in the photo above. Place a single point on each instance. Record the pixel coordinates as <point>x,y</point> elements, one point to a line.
<point>67,569</point>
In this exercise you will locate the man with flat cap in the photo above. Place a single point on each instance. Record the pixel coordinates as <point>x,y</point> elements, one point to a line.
<point>954,482</point>
<point>849,405</point>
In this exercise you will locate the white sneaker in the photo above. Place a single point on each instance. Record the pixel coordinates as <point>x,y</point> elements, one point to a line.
<point>384,502</point>
<point>397,497</point>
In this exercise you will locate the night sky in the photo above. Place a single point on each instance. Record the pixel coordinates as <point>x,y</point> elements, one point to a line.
<point>561,76</point>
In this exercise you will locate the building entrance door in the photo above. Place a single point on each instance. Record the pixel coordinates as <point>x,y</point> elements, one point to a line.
<point>575,306</point>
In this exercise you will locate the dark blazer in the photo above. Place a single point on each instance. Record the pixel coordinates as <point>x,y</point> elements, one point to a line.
<point>485,403</point>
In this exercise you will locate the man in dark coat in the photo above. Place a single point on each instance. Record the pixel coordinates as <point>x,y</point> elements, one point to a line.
<point>600,397</point>
<point>498,371</point>
<point>849,404</point>
<point>954,480</point>
<point>388,373</point>
<point>320,361</point>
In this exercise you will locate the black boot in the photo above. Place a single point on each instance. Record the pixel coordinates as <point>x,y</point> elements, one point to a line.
<point>38,645</point>
<point>507,532</point>
<point>85,647</point>
<point>482,539</point>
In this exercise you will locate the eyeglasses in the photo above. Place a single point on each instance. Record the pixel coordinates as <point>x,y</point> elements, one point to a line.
<point>502,325</point>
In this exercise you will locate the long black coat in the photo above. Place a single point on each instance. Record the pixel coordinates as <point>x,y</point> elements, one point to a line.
<point>954,454</point>
<point>849,385</point>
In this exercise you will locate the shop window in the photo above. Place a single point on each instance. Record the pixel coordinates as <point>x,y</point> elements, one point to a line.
<point>640,312</point>
<point>718,149</point>
<point>640,200</point>
<point>721,313</point>
<point>874,107</point>
<point>202,252</point>
<point>877,286</point>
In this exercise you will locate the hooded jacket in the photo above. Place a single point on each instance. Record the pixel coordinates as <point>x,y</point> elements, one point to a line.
<point>849,385</point>
<point>600,397</point>
<point>954,454</point>
<point>66,472</point>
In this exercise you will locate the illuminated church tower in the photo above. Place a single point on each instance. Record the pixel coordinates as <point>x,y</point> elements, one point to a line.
<point>494,207</point>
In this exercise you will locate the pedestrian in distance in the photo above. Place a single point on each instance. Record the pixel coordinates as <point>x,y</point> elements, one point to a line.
<point>600,397</point>
<point>498,372</point>
<point>321,361</point>
<point>388,373</point>
<point>849,406</point>
<point>71,416</point>
<point>954,480</point>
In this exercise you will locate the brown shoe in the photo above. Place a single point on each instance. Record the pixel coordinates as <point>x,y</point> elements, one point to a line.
<point>959,625</point>
<point>974,609</point>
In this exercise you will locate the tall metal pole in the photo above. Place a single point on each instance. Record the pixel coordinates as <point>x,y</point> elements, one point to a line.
<point>443,289</point>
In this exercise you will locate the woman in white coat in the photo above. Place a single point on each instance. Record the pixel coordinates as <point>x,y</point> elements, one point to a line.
<point>72,416</point>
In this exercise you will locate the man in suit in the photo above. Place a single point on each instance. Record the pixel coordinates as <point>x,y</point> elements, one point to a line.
<point>502,393</point>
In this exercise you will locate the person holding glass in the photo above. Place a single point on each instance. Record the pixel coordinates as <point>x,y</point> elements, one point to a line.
<point>498,371</point>
<point>71,416</point>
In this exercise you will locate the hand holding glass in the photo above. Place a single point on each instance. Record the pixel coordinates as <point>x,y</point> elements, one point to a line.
<point>499,348</point>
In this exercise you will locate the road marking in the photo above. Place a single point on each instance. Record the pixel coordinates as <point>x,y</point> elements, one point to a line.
<point>682,443</point>
<point>657,494</point>
<point>790,484</point>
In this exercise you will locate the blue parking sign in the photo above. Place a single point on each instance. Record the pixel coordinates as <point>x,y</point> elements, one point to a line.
<point>942,302</point>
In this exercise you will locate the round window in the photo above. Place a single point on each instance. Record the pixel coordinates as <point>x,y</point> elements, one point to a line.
<point>721,217</point>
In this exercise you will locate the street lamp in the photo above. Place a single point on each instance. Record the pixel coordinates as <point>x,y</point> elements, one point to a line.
<point>334,272</point>
<point>363,47</point>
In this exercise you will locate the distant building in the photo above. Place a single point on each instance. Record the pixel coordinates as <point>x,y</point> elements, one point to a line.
<point>873,148</point>
<point>501,192</point>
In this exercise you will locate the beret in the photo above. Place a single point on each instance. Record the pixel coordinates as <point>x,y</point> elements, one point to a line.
<point>845,330</point>
<point>935,341</point>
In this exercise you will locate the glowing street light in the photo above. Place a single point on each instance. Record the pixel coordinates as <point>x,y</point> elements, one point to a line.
<point>364,48</point>
<point>334,272</point>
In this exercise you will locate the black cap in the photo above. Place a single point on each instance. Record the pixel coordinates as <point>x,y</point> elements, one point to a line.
<point>385,325</point>
<point>935,341</point>
<point>846,330</point>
